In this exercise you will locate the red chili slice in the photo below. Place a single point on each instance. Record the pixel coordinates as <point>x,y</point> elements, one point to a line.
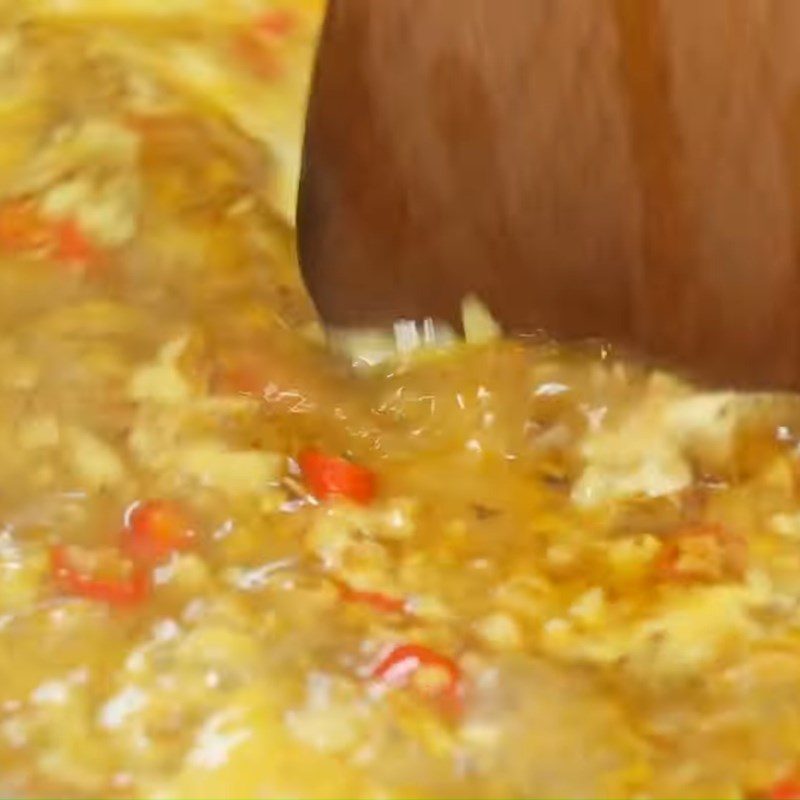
<point>24,229</point>
<point>122,592</point>
<point>379,601</point>
<point>398,667</point>
<point>278,23</point>
<point>156,529</point>
<point>256,45</point>
<point>72,246</point>
<point>787,789</point>
<point>21,227</point>
<point>331,476</point>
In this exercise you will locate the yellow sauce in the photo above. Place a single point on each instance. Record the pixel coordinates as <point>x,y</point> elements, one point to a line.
<point>555,574</point>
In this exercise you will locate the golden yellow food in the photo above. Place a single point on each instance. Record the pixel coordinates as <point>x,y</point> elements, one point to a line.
<point>235,565</point>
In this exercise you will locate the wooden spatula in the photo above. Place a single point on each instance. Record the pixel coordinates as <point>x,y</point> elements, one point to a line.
<point>623,169</point>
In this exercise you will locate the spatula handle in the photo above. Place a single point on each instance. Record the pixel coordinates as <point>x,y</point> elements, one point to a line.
<point>628,169</point>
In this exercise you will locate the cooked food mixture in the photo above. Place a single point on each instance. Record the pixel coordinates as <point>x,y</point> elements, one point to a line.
<point>235,565</point>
